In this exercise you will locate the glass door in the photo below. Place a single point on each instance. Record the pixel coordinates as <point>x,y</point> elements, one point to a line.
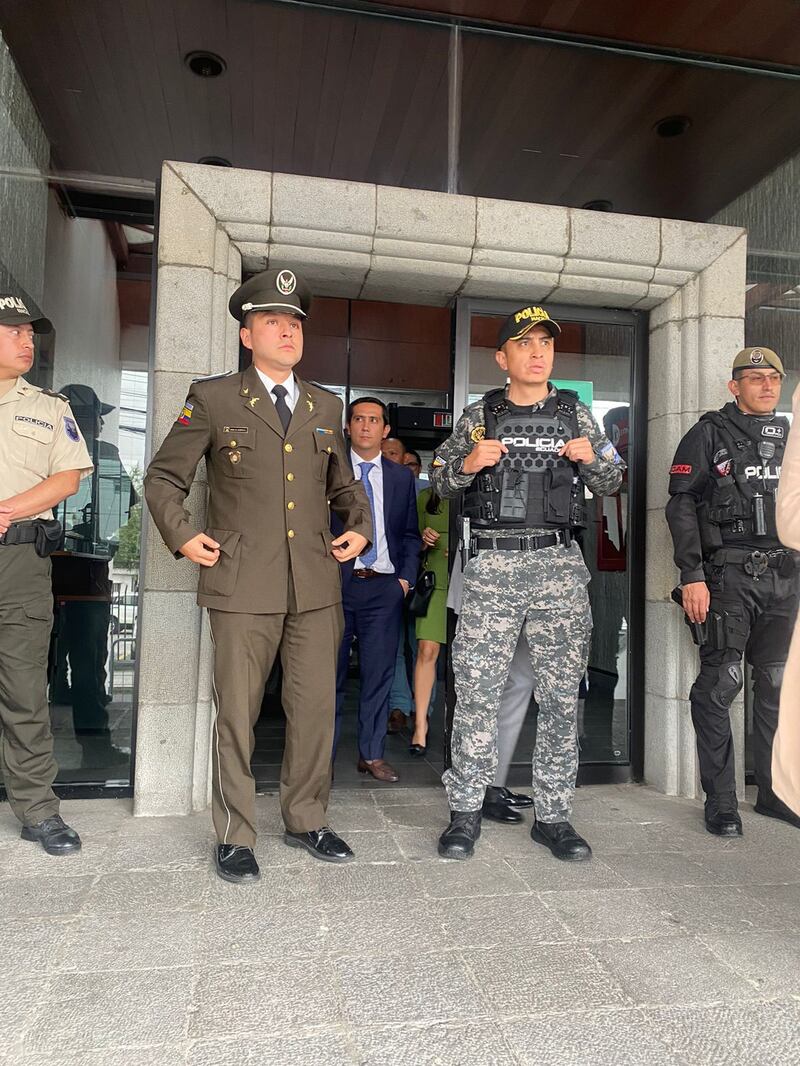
<point>600,355</point>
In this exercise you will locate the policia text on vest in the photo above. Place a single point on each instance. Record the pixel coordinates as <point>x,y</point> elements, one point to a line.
<point>739,584</point>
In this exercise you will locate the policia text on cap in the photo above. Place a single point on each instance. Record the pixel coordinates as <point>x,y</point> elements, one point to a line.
<point>739,585</point>
<point>42,460</point>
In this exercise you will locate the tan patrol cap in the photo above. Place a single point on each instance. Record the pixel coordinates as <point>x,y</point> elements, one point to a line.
<point>757,359</point>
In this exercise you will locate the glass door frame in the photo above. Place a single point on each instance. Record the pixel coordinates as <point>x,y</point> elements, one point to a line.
<point>637,503</point>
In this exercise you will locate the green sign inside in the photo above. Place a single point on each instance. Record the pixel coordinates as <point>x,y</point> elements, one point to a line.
<point>584,389</point>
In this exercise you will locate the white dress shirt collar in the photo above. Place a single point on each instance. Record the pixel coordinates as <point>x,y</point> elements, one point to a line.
<point>290,385</point>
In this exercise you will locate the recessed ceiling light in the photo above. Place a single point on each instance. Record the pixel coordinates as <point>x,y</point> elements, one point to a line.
<point>673,126</point>
<point>598,205</point>
<point>205,64</point>
<point>214,161</point>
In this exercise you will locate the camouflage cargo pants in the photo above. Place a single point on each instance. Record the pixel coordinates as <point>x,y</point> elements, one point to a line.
<point>544,591</point>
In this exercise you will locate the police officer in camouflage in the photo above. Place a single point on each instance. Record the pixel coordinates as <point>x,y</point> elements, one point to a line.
<point>521,456</point>
<point>739,584</point>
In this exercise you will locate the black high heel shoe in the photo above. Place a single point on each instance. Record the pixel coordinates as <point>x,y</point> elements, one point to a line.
<point>418,751</point>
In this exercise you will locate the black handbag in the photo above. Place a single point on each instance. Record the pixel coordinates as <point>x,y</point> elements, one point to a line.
<point>420,598</point>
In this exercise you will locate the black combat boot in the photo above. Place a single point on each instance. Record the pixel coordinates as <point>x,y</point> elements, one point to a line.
<point>562,840</point>
<point>55,836</point>
<point>768,804</point>
<point>722,816</point>
<point>497,808</point>
<point>459,839</point>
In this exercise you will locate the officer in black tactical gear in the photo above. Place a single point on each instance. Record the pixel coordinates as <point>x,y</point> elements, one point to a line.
<point>739,585</point>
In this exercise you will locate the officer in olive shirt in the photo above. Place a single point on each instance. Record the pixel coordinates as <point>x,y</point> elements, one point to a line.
<point>276,464</point>
<point>42,460</point>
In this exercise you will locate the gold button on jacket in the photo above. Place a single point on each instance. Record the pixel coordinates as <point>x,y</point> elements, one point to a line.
<point>249,490</point>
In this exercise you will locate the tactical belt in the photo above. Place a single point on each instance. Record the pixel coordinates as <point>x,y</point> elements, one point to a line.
<point>757,562</point>
<point>522,544</point>
<point>740,556</point>
<point>20,533</point>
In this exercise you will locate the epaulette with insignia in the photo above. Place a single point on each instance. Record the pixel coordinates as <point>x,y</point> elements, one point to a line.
<point>213,377</point>
<point>55,395</point>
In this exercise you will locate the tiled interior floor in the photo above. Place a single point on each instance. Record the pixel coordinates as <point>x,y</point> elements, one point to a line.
<point>670,947</point>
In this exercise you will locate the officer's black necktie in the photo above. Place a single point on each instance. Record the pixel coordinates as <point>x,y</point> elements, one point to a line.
<point>282,407</point>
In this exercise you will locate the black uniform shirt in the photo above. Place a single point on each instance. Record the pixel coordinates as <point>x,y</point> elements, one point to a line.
<point>702,455</point>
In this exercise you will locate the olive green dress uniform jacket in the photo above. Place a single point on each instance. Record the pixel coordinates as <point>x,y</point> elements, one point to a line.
<point>269,495</point>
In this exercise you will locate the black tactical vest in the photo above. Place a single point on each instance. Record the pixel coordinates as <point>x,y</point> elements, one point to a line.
<point>532,486</point>
<point>740,505</point>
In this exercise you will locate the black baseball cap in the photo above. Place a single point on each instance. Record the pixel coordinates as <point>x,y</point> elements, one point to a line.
<point>83,398</point>
<point>518,324</point>
<point>15,311</point>
<point>271,290</point>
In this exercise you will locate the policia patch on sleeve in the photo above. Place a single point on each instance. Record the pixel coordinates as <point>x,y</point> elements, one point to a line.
<point>478,434</point>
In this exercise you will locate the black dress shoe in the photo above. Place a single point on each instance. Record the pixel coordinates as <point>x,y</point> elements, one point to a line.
<point>497,808</point>
<point>54,835</point>
<point>721,815</point>
<point>322,843</point>
<point>562,840</point>
<point>771,807</point>
<point>236,863</point>
<point>418,751</point>
<point>459,839</point>
<point>515,799</point>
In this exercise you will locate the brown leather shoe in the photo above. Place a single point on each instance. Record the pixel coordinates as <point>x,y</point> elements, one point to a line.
<point>379,768</point>
<point>397,722</point>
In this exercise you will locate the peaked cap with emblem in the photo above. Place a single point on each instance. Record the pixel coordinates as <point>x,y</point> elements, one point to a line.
<point>522,321</point>
<point>757,359</point>
<point>17,310</point>
<point>271,290</point>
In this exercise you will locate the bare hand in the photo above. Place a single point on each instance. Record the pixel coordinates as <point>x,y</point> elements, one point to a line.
<point>348,546</point>
<point>485,453</point>
<point>404,585</point>
<point>429,536</point>
<point>696,600</point>
<point>201,549</point>
<point>6,515</point>
<point>578,450</point>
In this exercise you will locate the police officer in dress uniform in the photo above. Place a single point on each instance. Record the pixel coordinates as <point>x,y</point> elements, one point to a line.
<point>42,460</point>
<point>521,457</point>
<point>276,459</point>
<point>739,585</point>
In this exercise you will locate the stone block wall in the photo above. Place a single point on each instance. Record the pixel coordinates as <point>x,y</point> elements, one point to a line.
<point>373,242</point>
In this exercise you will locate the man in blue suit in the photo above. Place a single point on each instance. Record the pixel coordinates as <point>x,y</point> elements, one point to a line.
<point>374,586</point>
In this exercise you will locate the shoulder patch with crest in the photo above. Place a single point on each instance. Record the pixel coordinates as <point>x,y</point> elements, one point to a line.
<point>478,434</point>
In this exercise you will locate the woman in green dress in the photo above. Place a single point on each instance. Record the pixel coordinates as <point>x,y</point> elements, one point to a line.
<point>434,519</point>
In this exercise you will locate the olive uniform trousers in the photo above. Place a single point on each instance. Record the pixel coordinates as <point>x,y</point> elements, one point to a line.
<point>26,746</point>
<point>245,646</point>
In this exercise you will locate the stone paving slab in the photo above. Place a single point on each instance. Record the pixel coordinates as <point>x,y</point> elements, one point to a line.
<point>672,948</point>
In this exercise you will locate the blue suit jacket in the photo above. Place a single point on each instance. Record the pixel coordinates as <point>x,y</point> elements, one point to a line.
<point>400,520</point>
